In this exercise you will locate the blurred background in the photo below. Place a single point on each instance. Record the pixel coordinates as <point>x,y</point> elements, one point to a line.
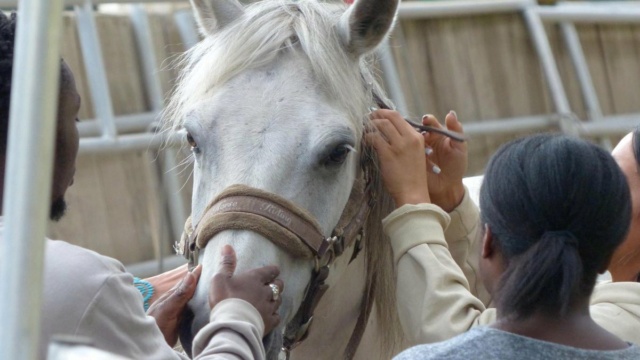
<point>508,67</point>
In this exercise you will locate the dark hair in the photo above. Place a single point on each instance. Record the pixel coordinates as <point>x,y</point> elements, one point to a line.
<point>7,38</point>
<point>557,207</point>
<point>635,144</point>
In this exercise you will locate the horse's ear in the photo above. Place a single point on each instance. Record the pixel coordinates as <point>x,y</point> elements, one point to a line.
<point>213,15</point>
<point>366,23</point>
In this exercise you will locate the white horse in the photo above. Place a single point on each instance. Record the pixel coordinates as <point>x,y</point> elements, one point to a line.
<point>275,98</point>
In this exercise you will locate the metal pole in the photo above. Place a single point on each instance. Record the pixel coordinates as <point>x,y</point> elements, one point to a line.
<point>572,40</point>
<point>609,12</point>
<point>550,68</point>
<point>589,94</point>
<point>14,3</point>
<point>170,180</point>
<point>96,73</point>
<point>187,28</point>
<point>127,143</point>
<point>436,9</point>
<point>125,124</point>
<point>391,77</point>
<point>27,191</point>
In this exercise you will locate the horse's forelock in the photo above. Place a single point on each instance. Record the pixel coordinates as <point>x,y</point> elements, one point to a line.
<point>258,38</point>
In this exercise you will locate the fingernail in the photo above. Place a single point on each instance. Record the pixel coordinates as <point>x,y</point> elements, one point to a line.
<point>372,109</point>
<point>227,250</point>
<point>425,116</point>
<point>436,169</point>
<point>428,151</point>
<point>454,114</point>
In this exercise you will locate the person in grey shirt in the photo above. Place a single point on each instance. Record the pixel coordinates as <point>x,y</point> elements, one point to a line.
<point>488,343</point>
<point>554,209</point>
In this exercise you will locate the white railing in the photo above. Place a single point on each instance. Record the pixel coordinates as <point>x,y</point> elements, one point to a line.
<point>27,190</point>
<point>22,247</point>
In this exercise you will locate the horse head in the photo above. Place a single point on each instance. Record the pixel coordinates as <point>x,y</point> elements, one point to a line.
<point>273,100</point>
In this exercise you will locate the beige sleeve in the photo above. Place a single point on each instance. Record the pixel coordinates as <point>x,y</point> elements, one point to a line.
<point>464,238</point>
<point>116,322</point>
<point>434,300</point>
<point>235,332</point>
<point>616,307</point>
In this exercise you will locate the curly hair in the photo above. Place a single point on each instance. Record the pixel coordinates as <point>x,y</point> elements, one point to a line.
<point>7,39</point>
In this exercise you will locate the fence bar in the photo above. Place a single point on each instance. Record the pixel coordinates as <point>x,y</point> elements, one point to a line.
<point>610,12</point>
<point>141,122</point>
<point>589,94</point>
<point>187,28</point>
<point>127,143</point>
<point>13,3</point>
<point>611,125</point>
<point>27,191</point>
<point>96,73</point>
<point>147,52</point>
<point>550,68</point>
<point>170,180</point>
<point>422,10</point>
<point>572,40</point>
<point>515,125</point>
<point>391,77</point>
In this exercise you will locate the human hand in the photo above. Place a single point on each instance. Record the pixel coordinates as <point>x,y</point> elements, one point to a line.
<point>169,308</point>
<point>251,286</point>
<point>164,282</point>
<point>401,153</point>
<point>446,188</point>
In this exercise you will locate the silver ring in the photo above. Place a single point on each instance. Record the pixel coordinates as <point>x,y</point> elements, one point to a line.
<point>276,292</point>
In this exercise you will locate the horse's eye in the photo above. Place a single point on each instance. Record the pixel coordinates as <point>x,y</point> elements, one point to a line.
<point>192,143</point>
<point>338,155</point>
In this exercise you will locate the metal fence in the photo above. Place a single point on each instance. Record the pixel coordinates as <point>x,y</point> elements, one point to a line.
<point>22,247</point>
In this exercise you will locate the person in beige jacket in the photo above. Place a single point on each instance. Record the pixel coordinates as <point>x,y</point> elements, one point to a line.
<point>92,296</point>
<point>437,251</point>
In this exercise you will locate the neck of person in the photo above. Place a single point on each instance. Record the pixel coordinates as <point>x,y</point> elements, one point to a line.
<point>576,328</point>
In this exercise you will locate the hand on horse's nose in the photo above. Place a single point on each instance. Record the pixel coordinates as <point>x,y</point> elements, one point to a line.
<point>259,287</point>
<point>169,308</point>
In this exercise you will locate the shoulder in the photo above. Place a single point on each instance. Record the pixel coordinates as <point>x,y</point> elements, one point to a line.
<point>469,345</point>
<point>70,269</point>
<point>616,307</point>
<point>633,351</point>
<point>66,259</point>
<point>74,279</point>
<point>622,293</point>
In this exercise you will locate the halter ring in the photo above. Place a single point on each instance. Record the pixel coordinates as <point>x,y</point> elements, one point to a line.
<point>276,292</point>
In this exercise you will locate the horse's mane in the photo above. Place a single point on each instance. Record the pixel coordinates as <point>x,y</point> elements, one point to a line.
<point>381,272</point>
<point>309,28</point>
